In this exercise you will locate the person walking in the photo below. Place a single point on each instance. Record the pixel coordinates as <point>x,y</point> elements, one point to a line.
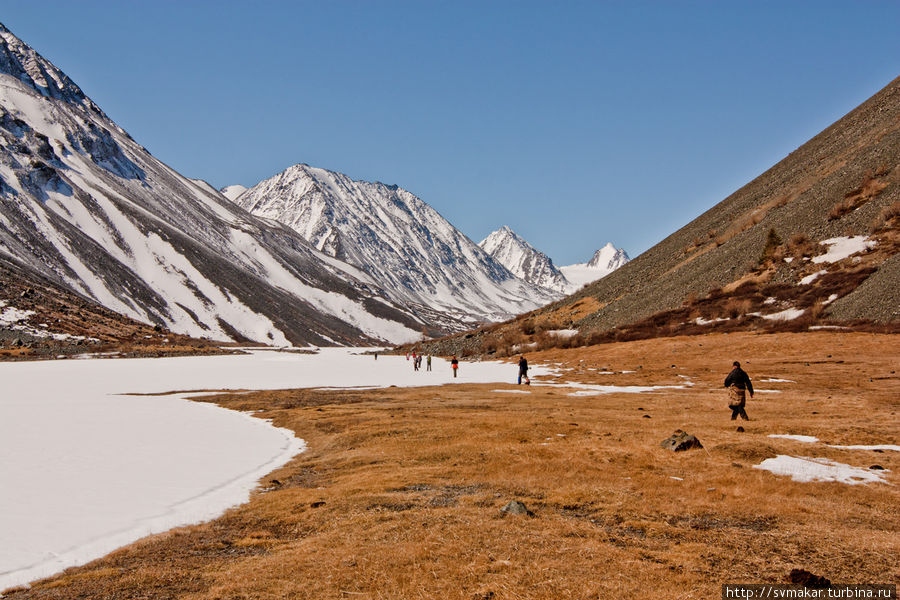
<point>738,383</point>
<point>523,370</point>
<point>454,364</point>
<point>428,363</point>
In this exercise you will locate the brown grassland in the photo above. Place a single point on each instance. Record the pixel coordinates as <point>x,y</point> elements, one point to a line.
<point>400,490</point>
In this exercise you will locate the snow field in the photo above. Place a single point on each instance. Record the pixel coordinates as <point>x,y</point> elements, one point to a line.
<point>88,468</point>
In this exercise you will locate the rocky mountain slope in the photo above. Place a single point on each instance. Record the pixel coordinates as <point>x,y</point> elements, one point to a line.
<point>86,207</point>
<point>812,242</point>
<point>397,240</point>
<point>39,319</point>
<point>844,182</point>
<point>524,260</point>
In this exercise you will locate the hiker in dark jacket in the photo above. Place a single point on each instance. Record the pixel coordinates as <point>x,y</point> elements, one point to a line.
<point>523,370</point>
<point>738,383</point>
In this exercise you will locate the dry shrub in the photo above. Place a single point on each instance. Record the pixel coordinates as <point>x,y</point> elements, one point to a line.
<point>870,187</point>
<point>737,307</point>
<point>773,242</point>
<point>489,344</point>
<point>816,311</point>
<point>715,293</point>
<point>512,337</point>
<point>888,218</point>
<point>527,326</point>
<point>800,246</point>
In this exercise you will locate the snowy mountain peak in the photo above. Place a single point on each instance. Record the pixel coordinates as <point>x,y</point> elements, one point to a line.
<point>396,239</point>
<point>604,261</point>
<point>22,62</point>
<point>609,258</point>
<point>523,259</point>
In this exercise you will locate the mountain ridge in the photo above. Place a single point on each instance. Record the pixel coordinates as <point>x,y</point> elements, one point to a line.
<point>397,239</point>
<point>84,205</point>
<point>523,259</point>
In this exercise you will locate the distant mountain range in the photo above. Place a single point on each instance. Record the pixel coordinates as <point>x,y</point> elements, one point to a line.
<point>306,257</point>
<point>532,265</point>
<point>398,241</point>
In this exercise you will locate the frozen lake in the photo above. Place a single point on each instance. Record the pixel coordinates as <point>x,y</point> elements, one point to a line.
<point>85,468</point>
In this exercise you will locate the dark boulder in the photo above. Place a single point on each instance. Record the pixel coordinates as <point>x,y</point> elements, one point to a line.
<point>680,441</point>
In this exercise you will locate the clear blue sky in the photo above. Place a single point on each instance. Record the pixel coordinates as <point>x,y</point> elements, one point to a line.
<point>575,123</point>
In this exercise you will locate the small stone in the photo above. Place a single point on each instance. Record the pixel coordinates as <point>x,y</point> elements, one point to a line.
<point>877,468</point>
<point>514,507</point>
<point>647,416</point>
<point>740,429</point>
<point>807,579</point>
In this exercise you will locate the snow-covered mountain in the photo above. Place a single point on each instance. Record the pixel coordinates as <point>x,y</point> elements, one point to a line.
<point>608,258</point>
<point>233,191</point>
<point>396,239</point>
<point>524,260</point>
<point>605,260</point>
<point>84,205</point>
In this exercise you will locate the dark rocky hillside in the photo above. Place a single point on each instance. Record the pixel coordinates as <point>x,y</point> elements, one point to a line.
<point>39,319</point>
<point>757,259</point>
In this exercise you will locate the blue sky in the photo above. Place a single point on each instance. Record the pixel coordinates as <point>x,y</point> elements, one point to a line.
<point>575,123</point>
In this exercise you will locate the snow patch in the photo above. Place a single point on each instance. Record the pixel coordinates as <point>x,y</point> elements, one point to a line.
<point>840,248</point>
<point>810,278</point>
<point>806,469</point>
<point>563,333</point>
<point>806,439</point>
<point>786,315</point>
<point>893,447</point>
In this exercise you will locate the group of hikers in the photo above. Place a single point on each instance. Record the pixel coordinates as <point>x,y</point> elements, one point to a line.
<point>737,383</point>
<point>417,361</point>
<point>418,357</point>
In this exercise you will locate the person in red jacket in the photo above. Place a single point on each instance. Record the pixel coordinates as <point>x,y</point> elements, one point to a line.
<point>454,364</point>
<point>738,383</point>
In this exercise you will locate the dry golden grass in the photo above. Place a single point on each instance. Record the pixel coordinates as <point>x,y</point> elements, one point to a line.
<point>399,493</point>
<point>870,187</point>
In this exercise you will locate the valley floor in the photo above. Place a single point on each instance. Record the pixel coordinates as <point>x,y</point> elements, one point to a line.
<point>400,490</point>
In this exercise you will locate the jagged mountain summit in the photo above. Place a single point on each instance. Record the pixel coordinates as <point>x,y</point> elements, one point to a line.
<point>604,261</point>
<point>524,260</point>
<point>86,207</point>
<point>397,240</point>
<point>608,258</point>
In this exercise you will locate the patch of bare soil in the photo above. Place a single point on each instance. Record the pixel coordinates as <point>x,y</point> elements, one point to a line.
<point>400,492</point>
